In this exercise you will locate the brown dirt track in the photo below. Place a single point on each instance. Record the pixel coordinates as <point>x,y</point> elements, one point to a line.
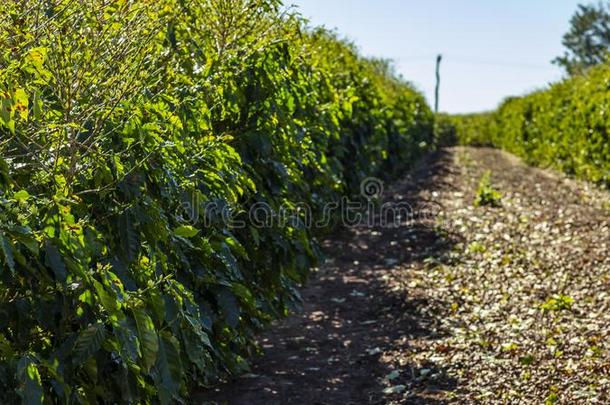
<point>473,305</point>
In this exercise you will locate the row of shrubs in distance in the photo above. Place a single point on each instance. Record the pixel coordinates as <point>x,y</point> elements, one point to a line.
<point>565,127</point>
<point>123,120</point>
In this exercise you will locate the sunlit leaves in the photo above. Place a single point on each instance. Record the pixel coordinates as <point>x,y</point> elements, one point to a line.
<point>149,342</point>
<point>186,231</point>
<point>564,126</point>
<point>31,391</point>
<point>557,303</point>
<point>486,193</point>
<point>21,196</point>
<point>21,103</point>
<point>119,126</point>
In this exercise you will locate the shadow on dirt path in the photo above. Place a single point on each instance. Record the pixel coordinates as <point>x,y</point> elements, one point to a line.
<point>354,313</point>
<point>503,303</point>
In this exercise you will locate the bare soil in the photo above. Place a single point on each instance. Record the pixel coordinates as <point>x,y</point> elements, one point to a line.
<point>463,304</point>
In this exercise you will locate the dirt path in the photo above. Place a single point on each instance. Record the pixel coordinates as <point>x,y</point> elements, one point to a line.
<point>470,304</point>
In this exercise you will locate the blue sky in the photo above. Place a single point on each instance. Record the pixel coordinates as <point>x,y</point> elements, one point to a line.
<point>491,49</point>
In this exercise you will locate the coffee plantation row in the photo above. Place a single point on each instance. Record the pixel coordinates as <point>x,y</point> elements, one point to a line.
<point>565,127</point>
<point>120,122</point>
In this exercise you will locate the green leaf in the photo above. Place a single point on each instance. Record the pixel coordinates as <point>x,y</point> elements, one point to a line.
<point>527,360</point>
<point>6,111</point>
<point>108,299</point>
<point>21,196</point>
<point>55,262</point>
<point>196,343</point>
<point>168,368</point>
<point>6,349</point>
<point>88,342</point>
<point>128,340</point>
<point>7,252</point>
<point>4,170</point>
<point>21,103</point>
<point>24,235</point>
<point>236,247</point>
<point>37,106</point>
<point>129,237</point>
<point>244,293</point>
<point>30,389</point>
<point>229,306</point>
<point>36,56</point>
<point>149,342</point>
<point>186,231</point>
<point>558,303</point>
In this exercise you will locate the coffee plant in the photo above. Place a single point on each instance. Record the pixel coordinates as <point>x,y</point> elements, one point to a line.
<point>564,127</point>
<point>486,193</point>
<point>121,121</point>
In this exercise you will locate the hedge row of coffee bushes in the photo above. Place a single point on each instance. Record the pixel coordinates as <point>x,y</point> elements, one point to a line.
<point>129,129</point>
<point>464,129</point>
<point>565,127</point>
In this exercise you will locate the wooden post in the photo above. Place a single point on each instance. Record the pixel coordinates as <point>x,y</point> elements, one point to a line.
<point>438,81</point>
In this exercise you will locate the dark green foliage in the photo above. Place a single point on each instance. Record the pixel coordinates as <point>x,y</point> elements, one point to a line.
<point>119,123</point>
<point>565,127</point>
<point>444,130</point>
<point>588,41</point>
